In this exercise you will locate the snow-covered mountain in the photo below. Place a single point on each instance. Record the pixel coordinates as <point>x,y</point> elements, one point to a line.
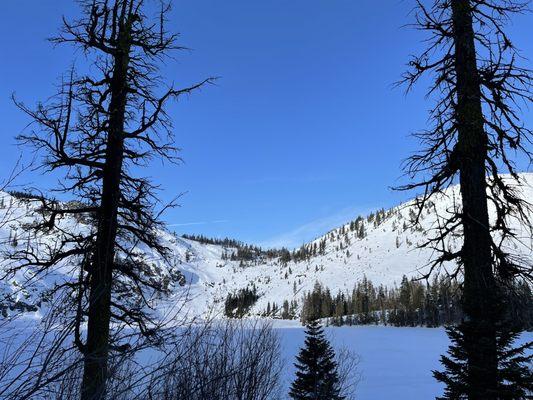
<point>381,246</point>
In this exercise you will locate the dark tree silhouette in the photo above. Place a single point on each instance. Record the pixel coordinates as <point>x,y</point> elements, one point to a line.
<point>316,376</point>
<point>99,129</point>
<point>515,378</point>
<point>475,132</point>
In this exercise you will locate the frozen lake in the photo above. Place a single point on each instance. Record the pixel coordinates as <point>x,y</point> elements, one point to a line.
<point>395,363</point>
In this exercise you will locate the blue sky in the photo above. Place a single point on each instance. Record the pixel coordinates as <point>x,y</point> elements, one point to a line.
<point>303,130</point>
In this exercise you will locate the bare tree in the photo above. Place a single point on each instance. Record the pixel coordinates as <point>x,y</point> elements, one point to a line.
<point>347,369</point>
<point>98,129</point>
<point>230,360</point>
<point>475,132</point>
<point>227,359</point>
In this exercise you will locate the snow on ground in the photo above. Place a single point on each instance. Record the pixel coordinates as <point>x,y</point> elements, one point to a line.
<point>387,251</point>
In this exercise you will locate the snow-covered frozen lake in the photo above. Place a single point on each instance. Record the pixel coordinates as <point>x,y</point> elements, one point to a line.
<point>395,363</point>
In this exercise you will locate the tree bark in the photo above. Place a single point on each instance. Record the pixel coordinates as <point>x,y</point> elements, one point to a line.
<point>479,282</point>
<point>99,315</point>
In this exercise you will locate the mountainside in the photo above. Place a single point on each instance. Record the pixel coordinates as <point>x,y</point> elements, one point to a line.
<point>381,246</point>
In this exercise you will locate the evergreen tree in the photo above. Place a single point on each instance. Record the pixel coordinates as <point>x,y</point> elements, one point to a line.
<point>285,313</point>
<point>316,376</point>
<point>239,303</point>
<point>514,377</point>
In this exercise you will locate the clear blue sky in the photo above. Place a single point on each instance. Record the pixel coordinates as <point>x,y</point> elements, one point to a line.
<point>303,130</point>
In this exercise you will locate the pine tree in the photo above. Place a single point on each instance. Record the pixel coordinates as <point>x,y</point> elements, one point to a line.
<point>285,312</point>
<point>316,376</point>
<point>104,123</point>
<point>475,131</point>
<point>514,378</point>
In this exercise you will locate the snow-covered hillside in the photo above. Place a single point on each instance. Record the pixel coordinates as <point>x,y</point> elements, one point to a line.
<point>382,247</point>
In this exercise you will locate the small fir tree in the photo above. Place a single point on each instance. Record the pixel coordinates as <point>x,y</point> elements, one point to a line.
<point>317,375</point>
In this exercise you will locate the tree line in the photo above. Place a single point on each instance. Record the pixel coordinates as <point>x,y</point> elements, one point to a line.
<point>237,250</point>
<point>413,303</point>
<point>240,251</point>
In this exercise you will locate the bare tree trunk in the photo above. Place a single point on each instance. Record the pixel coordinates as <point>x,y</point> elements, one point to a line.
<point>95,128</point>
<point>97,348</point>
<point>479,283</point>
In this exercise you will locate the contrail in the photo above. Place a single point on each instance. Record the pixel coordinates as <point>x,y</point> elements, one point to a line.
<point>200,223</point>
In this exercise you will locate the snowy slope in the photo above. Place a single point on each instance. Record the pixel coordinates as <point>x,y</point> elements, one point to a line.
<point>384,253</point>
